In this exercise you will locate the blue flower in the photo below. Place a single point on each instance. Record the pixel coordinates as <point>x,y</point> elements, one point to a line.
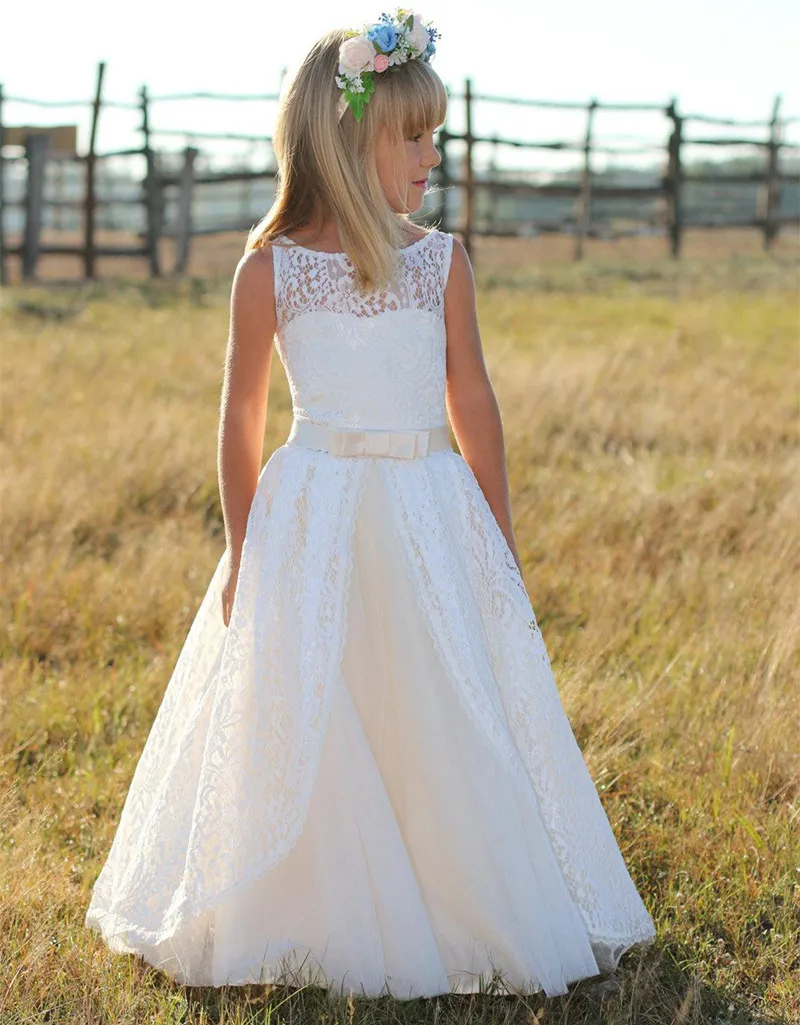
<point>384,36</point>
<point>431,50</point>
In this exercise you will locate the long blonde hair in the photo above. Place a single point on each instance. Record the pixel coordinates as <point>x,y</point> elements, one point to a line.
<point>327,166</point>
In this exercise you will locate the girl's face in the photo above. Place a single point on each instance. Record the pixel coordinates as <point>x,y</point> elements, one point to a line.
<point>404,180</point>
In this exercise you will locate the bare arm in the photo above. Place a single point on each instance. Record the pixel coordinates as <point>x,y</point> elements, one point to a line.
<point>243,411</point>
<point>471,402</point>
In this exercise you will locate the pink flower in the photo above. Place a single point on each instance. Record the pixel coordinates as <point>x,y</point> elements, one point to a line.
<point>381,62</point>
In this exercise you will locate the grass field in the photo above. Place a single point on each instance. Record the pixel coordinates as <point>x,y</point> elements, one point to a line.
<point>651,418</point>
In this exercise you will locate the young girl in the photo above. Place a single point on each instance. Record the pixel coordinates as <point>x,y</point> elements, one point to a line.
<point>361,774</point>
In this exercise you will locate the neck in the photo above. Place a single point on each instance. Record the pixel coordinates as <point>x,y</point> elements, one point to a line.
<point>325,234</point>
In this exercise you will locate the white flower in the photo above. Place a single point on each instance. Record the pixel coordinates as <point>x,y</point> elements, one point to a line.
<point>418,36</point>
<point>351,82</point>
<point>356,54</point>
<point>401,54</point>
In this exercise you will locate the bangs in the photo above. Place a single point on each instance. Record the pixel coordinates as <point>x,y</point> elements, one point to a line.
<point>416,97</point>
<point>425,103</point>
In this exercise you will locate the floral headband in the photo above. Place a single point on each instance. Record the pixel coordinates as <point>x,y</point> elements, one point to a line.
<point>375,48</point>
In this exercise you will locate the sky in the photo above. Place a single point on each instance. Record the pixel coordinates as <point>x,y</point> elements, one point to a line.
<point>723,59</point>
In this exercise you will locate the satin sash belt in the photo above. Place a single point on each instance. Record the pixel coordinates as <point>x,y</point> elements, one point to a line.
<point>371,441</point>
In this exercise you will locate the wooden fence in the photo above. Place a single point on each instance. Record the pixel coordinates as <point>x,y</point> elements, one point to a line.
<point>668,193</point>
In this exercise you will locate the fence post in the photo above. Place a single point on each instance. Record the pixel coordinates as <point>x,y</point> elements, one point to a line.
<point>3,278</point>
<point>36,158</point>
<point>470,183</point>
<point>151,191</point>
<point>585,196</point>
<point>444,180</point>
<point>673,180</point>
<point>183,232</point>
<point>772,187</point>
<point>89,248</point>
<point>492,204</point>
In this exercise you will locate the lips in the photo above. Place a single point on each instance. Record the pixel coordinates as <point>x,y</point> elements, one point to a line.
<point>422,182</point>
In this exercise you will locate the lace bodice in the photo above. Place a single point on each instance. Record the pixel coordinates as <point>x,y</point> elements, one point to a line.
<point>354,360</point>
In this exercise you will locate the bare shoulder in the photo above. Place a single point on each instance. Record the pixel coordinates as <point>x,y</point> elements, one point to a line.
<point>460,279</point>
<point>255,269</point>
<point>253,291</point>
<point>253,313</point>
<point>460,256</point>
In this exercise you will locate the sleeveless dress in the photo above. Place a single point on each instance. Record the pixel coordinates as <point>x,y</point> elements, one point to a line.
<point>367,779</point>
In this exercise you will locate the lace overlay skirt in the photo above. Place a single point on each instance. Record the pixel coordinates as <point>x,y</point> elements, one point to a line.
<point>440,825</point>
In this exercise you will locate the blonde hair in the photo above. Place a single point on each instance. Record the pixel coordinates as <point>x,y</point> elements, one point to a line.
<point>327,166</point>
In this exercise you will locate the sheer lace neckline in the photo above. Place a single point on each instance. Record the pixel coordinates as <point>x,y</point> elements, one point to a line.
<point>321,252</point>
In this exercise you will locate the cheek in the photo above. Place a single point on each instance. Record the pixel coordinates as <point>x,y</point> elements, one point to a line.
<point>389,170</point>
<point>397,170</point>
<point>394,179</point>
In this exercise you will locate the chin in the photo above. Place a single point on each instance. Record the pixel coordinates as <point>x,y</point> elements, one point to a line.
<point>409,207</point>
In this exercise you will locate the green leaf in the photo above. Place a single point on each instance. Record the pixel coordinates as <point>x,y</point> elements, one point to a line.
<point>357,101</point>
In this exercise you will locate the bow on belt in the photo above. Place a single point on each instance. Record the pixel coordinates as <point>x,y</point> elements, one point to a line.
<point>370,441</point>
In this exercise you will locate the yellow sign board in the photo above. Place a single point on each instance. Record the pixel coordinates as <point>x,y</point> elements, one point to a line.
<point>63,138</point>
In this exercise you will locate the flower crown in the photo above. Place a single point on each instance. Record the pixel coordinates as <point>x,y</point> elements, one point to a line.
<point>375,48</point>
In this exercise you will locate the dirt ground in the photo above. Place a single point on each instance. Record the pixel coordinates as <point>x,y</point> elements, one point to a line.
<point>217,255</point>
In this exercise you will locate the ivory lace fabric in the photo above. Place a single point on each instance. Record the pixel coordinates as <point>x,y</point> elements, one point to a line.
<point>368,775</point>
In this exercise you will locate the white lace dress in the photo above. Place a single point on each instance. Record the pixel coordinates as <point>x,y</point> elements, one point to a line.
<point>368,777</point>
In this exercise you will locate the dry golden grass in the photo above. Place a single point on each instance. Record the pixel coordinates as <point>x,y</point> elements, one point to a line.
<point>652,431</point>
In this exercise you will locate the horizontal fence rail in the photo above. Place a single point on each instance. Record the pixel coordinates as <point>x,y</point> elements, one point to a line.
<point>165,198</point>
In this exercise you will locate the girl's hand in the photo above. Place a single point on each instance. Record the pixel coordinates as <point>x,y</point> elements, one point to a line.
<point>229,582</point>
